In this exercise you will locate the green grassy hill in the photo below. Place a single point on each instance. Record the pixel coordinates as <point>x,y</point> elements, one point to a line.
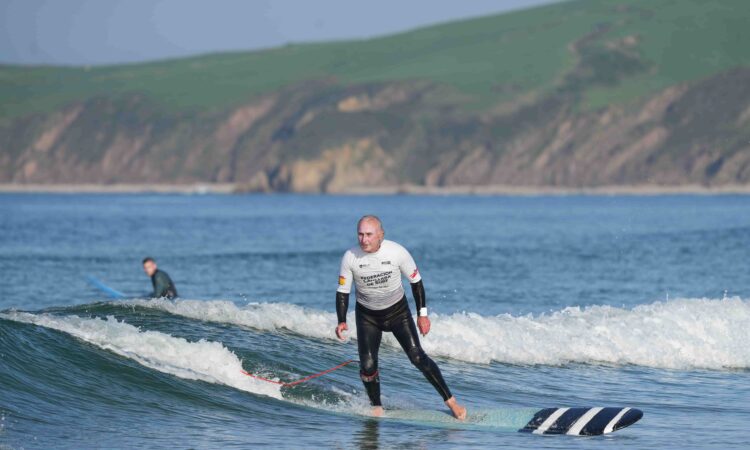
<point>489,58</point>
<point>575,58</point>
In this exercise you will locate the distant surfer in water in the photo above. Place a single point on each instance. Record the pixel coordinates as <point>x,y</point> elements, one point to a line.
<point>163,285</point>
<point>376,267</point>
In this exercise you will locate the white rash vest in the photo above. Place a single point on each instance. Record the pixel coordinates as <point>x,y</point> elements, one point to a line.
<point>377,276</point>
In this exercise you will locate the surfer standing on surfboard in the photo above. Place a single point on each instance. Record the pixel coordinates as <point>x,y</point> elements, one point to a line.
<point>376,267</point>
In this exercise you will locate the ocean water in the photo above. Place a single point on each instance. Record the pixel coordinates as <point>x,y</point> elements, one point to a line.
<point>535,302</point>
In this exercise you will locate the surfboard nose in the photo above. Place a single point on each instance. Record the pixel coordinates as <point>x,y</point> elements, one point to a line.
<point>630,417</point>
<point>581,421</point>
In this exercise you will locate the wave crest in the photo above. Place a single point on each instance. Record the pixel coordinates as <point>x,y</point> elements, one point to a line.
<point>677,334</point>
<point>203,360</point>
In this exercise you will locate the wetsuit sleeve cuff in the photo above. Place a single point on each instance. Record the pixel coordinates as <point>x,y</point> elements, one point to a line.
<point>423,312</point>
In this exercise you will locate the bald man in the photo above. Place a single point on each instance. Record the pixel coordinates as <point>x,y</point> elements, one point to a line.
<point>375,267</point>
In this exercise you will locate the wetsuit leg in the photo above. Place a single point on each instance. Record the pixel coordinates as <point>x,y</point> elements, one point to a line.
<point>369,336</point>
<point>405,331</point>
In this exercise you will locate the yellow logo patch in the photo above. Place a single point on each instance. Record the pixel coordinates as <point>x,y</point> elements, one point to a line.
<point>342,280</point>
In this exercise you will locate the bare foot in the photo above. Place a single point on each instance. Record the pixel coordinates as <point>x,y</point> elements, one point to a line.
<point>377,411</point>
<point>459,412</point>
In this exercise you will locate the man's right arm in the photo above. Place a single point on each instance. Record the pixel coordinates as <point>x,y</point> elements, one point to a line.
<point>342,306</point>
<point>342,295</point>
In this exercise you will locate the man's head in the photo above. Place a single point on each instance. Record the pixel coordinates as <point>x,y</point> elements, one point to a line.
<point>370,233</point>
<point>149,266</point>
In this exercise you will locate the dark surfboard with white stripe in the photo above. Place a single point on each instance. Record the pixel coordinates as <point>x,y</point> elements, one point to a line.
<point>581,421</point>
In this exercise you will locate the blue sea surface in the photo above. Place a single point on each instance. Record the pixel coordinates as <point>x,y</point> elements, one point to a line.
<point>539,301</point>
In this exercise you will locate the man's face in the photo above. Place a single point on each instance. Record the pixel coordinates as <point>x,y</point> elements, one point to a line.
<point>149,267</point>
<point>370,236</point>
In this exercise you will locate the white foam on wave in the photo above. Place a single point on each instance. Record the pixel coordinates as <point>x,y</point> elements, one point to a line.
<point>677,334</point>
<point>203,360</point>
<point>259,316</point>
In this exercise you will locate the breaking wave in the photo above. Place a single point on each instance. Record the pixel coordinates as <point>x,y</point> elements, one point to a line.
<point>677,334</point>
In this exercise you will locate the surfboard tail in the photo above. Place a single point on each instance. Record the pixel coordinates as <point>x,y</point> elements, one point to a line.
<point>581,421</point>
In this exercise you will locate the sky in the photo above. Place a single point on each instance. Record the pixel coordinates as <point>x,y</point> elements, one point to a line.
<point>91,32</point>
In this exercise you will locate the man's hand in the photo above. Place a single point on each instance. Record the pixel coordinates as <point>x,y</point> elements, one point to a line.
<point>423,323</point>
<point>342,327</point>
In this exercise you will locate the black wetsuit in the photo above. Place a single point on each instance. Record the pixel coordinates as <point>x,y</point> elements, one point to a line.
<point>398,320</point>
<point>163,285</point>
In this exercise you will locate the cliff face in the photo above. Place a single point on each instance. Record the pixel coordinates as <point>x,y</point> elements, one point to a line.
<point>323,134</point>
<point>322,137</point>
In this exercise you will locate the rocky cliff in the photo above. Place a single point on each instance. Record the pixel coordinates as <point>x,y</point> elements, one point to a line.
<point>326,134</point>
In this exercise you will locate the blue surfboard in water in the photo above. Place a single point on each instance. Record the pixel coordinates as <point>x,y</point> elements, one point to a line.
<point>111,293</point>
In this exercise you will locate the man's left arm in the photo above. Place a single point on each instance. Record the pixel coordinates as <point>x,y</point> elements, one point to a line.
<point>409,269</point>
<point>161,286</point>
<point>423,322</point>
<point>417,290</point>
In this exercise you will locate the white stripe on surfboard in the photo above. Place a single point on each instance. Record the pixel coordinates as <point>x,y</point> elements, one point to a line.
<point>611,425</point>
<point>550,420</point>
<point>583,421</point>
